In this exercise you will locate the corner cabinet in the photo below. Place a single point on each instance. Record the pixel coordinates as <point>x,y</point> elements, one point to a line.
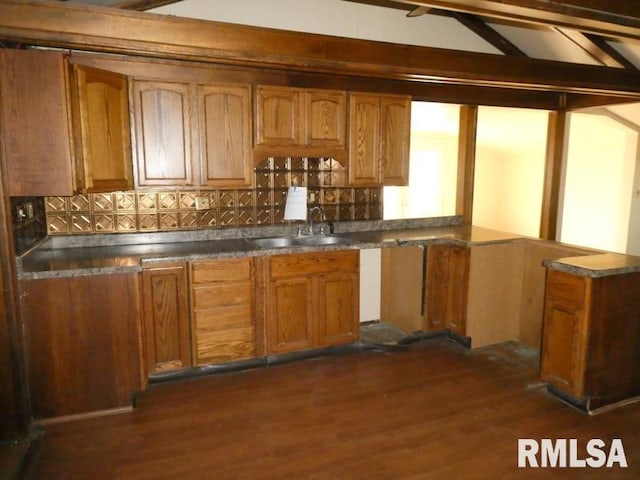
<point>591,338</point>
<point>82,343</point>
<point>167,335</point>
<point>310,300</point>
<point>192,135</point>
<point>379,133</point>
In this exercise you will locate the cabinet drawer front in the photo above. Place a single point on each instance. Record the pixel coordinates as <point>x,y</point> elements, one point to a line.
<point>223,318</point>
<point>226,345</point>
<point>222,295</point>
<point>221,270</point>
<point>313,263</point>
<point>566,287</point>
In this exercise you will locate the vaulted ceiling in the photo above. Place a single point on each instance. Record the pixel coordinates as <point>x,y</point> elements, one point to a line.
<point>605,32</point>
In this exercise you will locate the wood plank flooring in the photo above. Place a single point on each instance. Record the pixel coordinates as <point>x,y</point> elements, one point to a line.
<point>436,411</point>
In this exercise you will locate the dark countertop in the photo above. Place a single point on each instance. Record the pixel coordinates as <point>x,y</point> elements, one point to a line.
<point>43,262</point>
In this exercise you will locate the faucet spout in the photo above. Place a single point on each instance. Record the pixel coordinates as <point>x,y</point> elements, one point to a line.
<point>315,208</point>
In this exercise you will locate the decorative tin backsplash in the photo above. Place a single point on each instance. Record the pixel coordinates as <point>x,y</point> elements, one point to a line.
<point>126,212</point>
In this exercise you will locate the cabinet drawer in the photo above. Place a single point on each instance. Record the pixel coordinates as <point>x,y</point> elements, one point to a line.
<point>314,263</point>
<point>222,318</point>
<point>225,345</point>
<point>566,287</point>
<point>214,271</point>
<point>223,295</point>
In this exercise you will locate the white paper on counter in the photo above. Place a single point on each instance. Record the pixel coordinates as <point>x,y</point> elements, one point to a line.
<point>295,207</point>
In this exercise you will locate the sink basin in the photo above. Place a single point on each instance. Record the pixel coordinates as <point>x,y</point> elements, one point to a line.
<point>322,240</point>
<point>274,242</point>
<point>310,241</point>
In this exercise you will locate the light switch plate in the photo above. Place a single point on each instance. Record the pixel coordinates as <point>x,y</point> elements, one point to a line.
<point>202,202</point>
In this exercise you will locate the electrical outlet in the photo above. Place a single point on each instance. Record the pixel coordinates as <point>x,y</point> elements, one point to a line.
<point>202,202</point>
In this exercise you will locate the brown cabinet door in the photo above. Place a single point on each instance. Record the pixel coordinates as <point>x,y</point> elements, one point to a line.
<point>325,123</point>
<point>162,116</point>
<point>338,308</point>
<point>224,117</point>
<point>82,343</point>
<point>364,139</point>
<point>289,322</point>
<point>104,135</point>
<point>563,347</point>
<point>395,135</point>
<point>166,318</point>
<point>564,332</point>
<point>279,119</point>
<point>35,123</point>
<point>446,284</point>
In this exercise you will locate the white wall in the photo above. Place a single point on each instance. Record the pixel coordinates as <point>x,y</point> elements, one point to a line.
<point>599,186</point>
<point>509,173</point>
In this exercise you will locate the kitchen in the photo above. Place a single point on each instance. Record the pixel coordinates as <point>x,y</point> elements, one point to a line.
<point>195,74</point>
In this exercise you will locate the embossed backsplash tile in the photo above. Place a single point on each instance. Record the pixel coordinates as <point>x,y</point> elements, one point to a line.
<point>142,211</point>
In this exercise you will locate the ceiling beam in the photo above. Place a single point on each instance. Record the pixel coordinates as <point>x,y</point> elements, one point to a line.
<point>618,19</point>
<point>484,31</point>
<point>597,48</point>
<point>82,27</point>
<point>142,5</point>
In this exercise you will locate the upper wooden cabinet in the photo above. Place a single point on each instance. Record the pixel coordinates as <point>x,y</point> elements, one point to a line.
<point>299,118</point>
<point>103,139</point>
<point>35,123</point>
<point>379,129</point>
<point>192,135</point>
<point>325,122</point>
<point>163,133</point>
<point>224,122</point>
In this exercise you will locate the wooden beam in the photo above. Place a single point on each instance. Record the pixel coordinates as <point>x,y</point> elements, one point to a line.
<point>552,174</point>
<point>141,5</point>
<point>466,162</point>
<point>597,48</point>
<point>122,31</point>
<point>609,19</point>
<point>484,31</point>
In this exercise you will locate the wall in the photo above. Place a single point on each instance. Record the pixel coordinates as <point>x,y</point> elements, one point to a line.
<point>509,174</point>
<point>600,170</point>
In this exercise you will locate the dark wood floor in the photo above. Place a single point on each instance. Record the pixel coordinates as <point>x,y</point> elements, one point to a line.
<point>437,411</point>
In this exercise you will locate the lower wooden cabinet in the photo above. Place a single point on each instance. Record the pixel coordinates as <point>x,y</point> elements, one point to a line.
<point>591,338</point>
<point>310,300</point>
<point>222,310</point>
<point>446,287</point>
<point>167,336</point>
<point>82,343</point>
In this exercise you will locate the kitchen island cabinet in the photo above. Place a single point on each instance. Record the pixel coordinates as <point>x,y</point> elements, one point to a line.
<point>591,338</point>
<point>82,343</point>
<point>310,300</point>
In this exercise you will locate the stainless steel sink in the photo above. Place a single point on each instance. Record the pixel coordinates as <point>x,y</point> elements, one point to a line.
<point>308,241</point>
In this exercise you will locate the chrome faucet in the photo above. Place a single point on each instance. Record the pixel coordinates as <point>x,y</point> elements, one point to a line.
<point>322,218</point>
